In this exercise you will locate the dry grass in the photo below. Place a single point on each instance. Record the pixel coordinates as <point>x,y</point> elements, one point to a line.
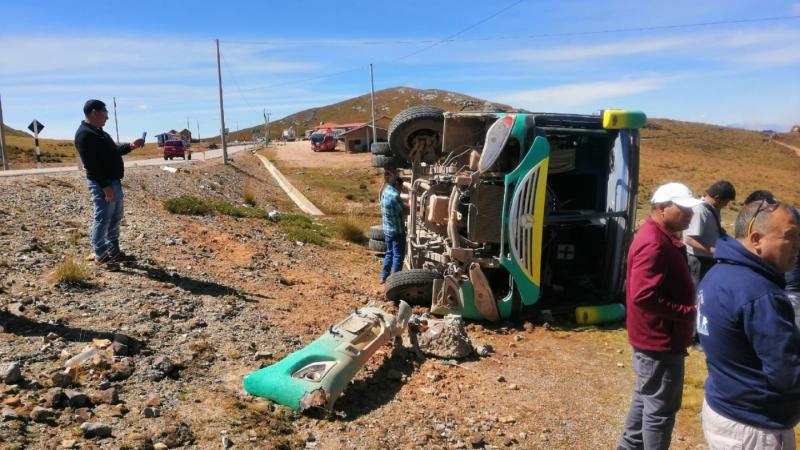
<point>71,271</point>
<point>347,229</point>
<point>249,193</point>
<point>699,154</point>
<point>75,237</point>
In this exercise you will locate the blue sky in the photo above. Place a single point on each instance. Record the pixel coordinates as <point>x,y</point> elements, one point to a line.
<point>158,58</point>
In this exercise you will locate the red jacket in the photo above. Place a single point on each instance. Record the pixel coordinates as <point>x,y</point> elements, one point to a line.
<point>659,291</point>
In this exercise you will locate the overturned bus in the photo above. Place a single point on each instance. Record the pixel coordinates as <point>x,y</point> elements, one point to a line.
<point>512,213</point>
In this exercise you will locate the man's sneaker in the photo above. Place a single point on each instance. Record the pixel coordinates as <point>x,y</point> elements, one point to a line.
<point>123,257</point>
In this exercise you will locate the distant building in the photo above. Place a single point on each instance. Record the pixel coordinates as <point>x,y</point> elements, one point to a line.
<point>358,139</point>
<point>796,129</point>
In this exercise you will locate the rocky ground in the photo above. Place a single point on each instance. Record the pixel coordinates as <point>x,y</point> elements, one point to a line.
<point>212,298</point>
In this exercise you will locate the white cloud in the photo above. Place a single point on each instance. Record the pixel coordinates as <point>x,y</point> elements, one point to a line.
<point>571,53</point>
<point>89,56</point>
<point>782,56</point>
<point>568,96</point>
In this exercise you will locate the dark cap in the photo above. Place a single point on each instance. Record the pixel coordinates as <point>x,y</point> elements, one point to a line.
<point>96,105</point>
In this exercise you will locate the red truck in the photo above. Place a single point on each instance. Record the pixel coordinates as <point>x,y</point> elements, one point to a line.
<point>322,140</point>
<point>177,148</point>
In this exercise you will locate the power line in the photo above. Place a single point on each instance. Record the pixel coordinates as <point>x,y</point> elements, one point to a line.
<point>341,42</point>
<point>416,52</point>
<point>462,31</point>
<point>235,81</point>
<point>452,38</point>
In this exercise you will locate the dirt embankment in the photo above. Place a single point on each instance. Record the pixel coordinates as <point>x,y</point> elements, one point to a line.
<point>213,298</point>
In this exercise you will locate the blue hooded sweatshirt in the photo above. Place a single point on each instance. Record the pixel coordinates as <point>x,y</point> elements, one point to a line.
<point>746,327</point>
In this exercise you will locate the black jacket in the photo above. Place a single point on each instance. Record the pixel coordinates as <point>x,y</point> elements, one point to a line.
<point>100,155</point>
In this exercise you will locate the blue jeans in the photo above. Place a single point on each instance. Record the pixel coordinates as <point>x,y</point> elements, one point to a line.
<point>395,251</point>
<point>656,400</point>
<point>107,217</point>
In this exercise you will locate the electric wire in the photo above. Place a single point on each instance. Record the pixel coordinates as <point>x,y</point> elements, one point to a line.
<point>341,42</point>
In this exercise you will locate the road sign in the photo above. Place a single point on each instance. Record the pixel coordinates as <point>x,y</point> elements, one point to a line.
<point>35,126</point>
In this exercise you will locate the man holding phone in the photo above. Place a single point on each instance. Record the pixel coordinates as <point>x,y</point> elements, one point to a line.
<point>102,158</point>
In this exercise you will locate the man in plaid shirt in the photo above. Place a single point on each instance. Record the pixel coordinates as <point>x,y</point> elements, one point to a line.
<point>394,230</point>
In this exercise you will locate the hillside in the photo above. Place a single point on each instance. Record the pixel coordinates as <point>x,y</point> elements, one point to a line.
<point>699,154</point>
<point>388,102</point>
<point>14,132</point>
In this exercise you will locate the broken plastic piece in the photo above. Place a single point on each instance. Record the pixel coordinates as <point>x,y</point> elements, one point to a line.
<point>315,376</point>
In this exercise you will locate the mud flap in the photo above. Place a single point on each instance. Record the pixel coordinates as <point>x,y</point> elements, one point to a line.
<point>315,376</point>
<point>485,302</point>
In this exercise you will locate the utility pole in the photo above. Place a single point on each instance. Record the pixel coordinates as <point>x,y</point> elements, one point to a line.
<point>188,128</point>
<point>221,111</point>
<point>372,98</point>
<point>116,124</point>
<point>3,153</point>
<point>198,131</point>
<point>266,128</point>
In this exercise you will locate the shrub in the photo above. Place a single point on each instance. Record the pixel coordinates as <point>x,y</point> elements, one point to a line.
<point>188,204</point>
<point>191,205</point>
<point>349,231</point>
<point>301,228</point>
<point>70,271</point>
<point>249,193</point>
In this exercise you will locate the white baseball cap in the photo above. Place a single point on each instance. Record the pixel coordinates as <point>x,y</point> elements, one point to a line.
<point>676,193</point>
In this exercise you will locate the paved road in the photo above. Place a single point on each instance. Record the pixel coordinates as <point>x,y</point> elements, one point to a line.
<point>196,156</point>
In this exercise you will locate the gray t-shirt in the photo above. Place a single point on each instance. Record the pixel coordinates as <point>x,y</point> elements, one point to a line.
<point>703,228</point>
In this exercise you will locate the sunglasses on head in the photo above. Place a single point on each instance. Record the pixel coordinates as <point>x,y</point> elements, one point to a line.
<point>767,204</point>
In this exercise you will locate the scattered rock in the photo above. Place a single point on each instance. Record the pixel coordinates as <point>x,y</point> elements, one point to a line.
<point>160,446</point>
<point>108,396</point>
<point>16,309</point>
<point>507,419</point>
<point>12,401</point>
<point>528,326</point>
<point>10,373</point>
<point>119,410</point>
<point>445,338</point>
<point>121,370</point>
<point>69,443</point>
<point>83,414</point>
<point>9,414</point>
<point>95,429</point>
<point>39,414</point>
<point>63,378</point>
<point>263,355</point>
<point>166,367</point>
<point>120,349</point>
<point>226,442</point>
<point>176,435</point>
<point>477,441</point>
<point>154,400</point>
<point>501,379</point>
<point>151,412</point>
<point>77,399</point>
<point>484,350</point>
<point>55,398</point>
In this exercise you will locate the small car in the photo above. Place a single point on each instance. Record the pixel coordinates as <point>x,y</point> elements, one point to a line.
<point>177,148</point>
